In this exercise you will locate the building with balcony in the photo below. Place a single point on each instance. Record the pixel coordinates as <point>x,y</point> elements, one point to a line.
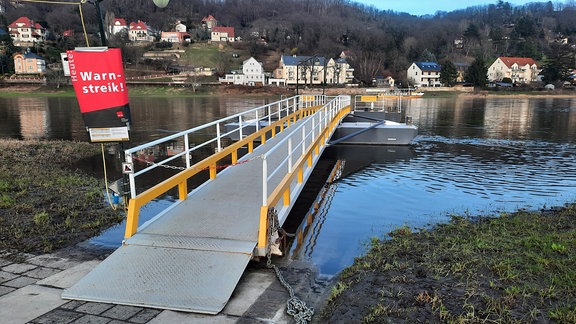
<point>312,70</point>
<point>424,74</point>
<point>26,32</point>
<point>519,69</point>
<point>252,74</point>
<point>140,32</point>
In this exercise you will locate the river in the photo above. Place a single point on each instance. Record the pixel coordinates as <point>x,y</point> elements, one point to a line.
<point>473,156</point>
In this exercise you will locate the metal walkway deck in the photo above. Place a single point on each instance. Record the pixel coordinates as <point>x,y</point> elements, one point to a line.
<point>191,256</point>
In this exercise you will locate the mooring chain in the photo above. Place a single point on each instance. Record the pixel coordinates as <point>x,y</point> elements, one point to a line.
<point>295,307</point>
<point>173,167</point>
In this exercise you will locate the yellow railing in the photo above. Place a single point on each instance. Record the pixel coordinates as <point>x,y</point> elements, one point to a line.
<point>295,175</point>
<point>210,163</point>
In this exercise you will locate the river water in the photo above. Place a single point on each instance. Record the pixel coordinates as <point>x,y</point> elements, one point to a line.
<point>473,156</point>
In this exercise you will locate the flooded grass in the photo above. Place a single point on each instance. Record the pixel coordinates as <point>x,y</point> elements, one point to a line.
<point>515,268</point>
<point>44,204</point>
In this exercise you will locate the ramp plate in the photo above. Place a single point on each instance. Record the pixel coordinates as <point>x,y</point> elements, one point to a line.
<point>164,277</point>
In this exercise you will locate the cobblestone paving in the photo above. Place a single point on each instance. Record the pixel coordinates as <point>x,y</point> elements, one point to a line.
<point>19,270</point>
<point>31,288</point>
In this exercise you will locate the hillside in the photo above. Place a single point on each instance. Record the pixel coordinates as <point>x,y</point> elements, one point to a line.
<point>381,42</point>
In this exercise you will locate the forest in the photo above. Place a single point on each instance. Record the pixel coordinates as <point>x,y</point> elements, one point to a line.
<point>382,42</point>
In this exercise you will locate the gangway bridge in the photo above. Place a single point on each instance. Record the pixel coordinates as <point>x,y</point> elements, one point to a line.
<point>191,255</point>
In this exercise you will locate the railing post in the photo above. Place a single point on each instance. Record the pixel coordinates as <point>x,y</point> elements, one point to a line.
<point>290,155</point>
<point>187,146</point>
<point>264,181</point>
<point>257,121</point>
<point>218,137</point>
<point>313,127</point>
<point>128,159</point>
<point>240,127</point>
<point>303,139</point>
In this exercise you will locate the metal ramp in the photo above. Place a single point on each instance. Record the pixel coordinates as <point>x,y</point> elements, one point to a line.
<point>191,256</point>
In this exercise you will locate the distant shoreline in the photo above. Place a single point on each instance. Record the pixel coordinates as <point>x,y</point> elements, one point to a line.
<point>36,90</point>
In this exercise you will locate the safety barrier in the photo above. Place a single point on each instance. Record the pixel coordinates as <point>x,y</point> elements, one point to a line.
<point>277,115</point>
<point>311,137</point>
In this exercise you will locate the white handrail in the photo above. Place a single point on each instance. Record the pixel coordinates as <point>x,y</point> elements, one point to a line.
<point>311,128</point>
<point>242,120</point>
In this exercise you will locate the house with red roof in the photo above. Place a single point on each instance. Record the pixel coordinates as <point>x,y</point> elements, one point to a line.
<point>518,69</point>
<point>222,34</point>
<point>118,25</point>
<point>25,31</point>
<point>209,22</point>
<point>140,32</point>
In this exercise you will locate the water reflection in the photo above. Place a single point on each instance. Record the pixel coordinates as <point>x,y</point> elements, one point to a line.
<point>474,156</point>
<point>152,118</point>
<point>552,119</point>
<point>440,177</point>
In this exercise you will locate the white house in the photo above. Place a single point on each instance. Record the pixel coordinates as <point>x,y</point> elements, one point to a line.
<point>518,69</point>
<point>118,25</point>
<point>252,74</point>
<point>294,70</point>
<point>25,31</point>
<point>180,27</point>
<point>424,74</point>
<point>139,32</point>
<point>222,34</point>
<point>175,37</point>
<point>209,22</point>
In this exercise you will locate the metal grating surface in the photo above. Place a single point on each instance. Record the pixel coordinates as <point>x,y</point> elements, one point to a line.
<point>166,278</point>
<point>192,257</point>
<point>194,243</point>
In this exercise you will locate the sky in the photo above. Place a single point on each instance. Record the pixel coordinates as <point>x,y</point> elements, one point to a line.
<point>429,7</point>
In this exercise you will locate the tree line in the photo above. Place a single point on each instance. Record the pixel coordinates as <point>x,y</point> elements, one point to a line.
<point>381,42</point>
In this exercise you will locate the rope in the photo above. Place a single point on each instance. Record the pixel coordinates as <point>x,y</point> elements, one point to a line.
<point>83,24</point>
<point>224,166</point>
<point>68,3</point>
<point>295,307</point>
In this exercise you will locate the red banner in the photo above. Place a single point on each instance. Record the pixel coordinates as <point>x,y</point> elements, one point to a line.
<point>100,85</point>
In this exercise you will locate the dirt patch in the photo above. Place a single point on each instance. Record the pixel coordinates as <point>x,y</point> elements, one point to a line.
<point>517,268</point>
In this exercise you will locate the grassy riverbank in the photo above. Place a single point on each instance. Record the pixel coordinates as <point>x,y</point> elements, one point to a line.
<point>135,90</point>
<point>515,268</point>
<point>45,204</point>
<point>149,90</point>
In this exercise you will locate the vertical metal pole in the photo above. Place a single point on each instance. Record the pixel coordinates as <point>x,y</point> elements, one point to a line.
<point>303,139</point>
<point>289,154</point>
<point>218,138</point>
<point>128,158</point>
<point>324,86</point>
<point>313,127</point>
<point>240,127</point>
<point>187,146</point>
<point>125,180</point>
<point>257,121</point>
<point>100,22</point>
<point>264,181</point>
<point>297,77</point>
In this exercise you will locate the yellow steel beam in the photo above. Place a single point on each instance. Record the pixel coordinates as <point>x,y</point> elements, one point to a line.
<point>368,98</point>
<point>284,185</point>
<point>208,163</point>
